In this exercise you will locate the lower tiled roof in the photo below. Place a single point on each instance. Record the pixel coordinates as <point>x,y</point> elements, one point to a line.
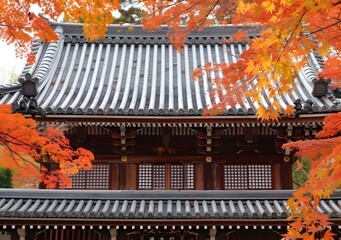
<point>120,205</point>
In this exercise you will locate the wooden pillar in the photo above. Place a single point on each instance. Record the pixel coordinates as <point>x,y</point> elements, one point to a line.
<point>213,233</point>
<point>122,176</point>
<point>132,176</point>
<point>113,233</point>
<point>209,176</point>
<point>277,183</point>
<point>219,177</point>
<point>114,176</point>
<point>21,233</point>
<point>286,176</point>
<point>199,176</point>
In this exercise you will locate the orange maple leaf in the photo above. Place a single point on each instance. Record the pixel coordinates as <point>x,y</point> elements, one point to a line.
<point>289,111</point>
<point>25,147</point>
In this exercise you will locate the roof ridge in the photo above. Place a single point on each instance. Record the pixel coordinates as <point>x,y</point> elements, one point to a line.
<point>76,29</point>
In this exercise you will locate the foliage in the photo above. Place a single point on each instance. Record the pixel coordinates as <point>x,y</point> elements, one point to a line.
<point>323,179</point>
<point>19,25</point>
<point>5,178</point>
<point>29,181</point>
<point>289,31</point>
<point>19,138</point>
<point>300,172</point>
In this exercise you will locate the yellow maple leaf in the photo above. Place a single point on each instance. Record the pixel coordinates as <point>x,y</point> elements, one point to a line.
<point>269,6</point>
<point>275,105</point>
<point>289,111</point>
<point>263,114</point>
<point>250,67</point>
<point>324,48</point>
<point>255,97</point>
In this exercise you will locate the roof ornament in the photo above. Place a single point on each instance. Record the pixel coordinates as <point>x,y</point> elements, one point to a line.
<point>320,88</point>
<point>337,93</point>
<point>307,107</point>
<point>28,104</point>
<point>336,96</point>
<point>29,86</point>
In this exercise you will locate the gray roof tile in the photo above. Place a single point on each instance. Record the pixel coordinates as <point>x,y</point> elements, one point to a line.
<point>140,73</point>
<point>117,205</point>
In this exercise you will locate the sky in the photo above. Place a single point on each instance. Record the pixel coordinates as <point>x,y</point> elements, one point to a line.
<point>8,62</point>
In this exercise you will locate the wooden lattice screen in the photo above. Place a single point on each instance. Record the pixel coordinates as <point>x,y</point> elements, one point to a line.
<point>96,178</point>
<point>145,176</point>
<point>166,176</point>
<point>182,176</point>
<point>158,177</point>
<point>69,234</point>
<point>248,176</point>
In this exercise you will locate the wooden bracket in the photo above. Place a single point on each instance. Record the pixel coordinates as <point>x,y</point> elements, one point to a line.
<point>208,140</point>
<point>124,140</point>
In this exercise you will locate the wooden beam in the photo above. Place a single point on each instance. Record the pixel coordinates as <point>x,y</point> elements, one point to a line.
<point>306,118</point>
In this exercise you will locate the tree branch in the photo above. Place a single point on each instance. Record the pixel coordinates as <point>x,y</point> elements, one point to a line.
<point>323,28</point>
<point>336,3</point>
<point>14,26</point>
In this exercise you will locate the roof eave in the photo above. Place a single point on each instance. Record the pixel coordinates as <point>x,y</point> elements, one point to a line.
<point>307,118</point>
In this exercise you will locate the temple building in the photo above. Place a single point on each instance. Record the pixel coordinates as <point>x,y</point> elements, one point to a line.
<point>162,171</point>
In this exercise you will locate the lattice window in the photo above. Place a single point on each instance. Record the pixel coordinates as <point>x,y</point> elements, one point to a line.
<point>235,176</point>
<point>159,177</point>
<point>189,176</point>
<point>177,179</point>
<point>248,176</point>
<point>145,176</point>
<point>166,176</point>
<point>182,176</point>
<point>98,177</point>
<point>79,180</point>
<point>152,176</point>
<point>260,176</point>
<point>68,234</point>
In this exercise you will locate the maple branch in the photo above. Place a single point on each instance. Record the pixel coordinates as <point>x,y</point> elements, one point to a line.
<point>13,153</point>
<point>171,5</point>
<point>16,140</point>
<point>304,171</point>
<point>30,18</point>
<point>207,14</point>
<point>13,35</point>
<point>289,38</point>
<point>180,13</point>
<point>14,26</point>
<point>16,39</point>
<point>323,28</point>
<point>297,184</point>
<point>336,3</point>
<point>24,10</point>
<point>292,33</point>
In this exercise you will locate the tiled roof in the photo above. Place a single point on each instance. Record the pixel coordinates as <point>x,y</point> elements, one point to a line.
<point>140,73</point>
<point>115,205</point>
